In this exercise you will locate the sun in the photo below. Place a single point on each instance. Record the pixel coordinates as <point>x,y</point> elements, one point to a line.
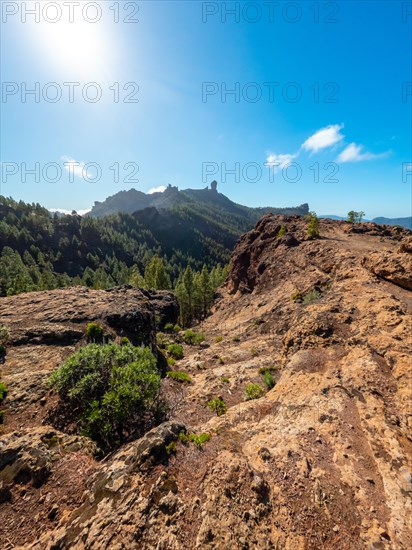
<point>79,48</point>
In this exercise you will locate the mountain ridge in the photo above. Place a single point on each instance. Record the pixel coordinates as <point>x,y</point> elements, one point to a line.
<point>381,220</point>
<point>133,201</point>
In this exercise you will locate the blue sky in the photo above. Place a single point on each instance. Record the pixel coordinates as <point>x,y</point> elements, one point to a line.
<point>320,113</point>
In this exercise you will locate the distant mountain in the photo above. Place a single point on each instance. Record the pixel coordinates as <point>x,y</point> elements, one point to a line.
<point>200,200</point>
<point>198,223</point>
<point>331,217</point>
<point>403,222</point>
<point>101,249</point>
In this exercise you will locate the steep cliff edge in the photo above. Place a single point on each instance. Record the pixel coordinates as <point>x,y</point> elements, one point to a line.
<point>321,460</point>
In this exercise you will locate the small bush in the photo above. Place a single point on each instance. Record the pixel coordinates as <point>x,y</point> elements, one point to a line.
<point>199,440</point>
<point>169,327</point>
<point>124,341</point>
<point>268,369</point>
<point>4,334</point>
<point>3,391</point>
<point>171,448</point>
<point>218,339</point>
<point>282,231</point>
<point>94,332</point>
<point>221,361</point>
<point>225,380</point>
<point>171,362</point>
<point>311,296</point>
<point>236,338</point>
<point>191,337</point>
<point>111,391</point>
<point>161,340</point>
<point>179,376</point>
<point>312,229</point>
<point>175,351</point>
<point>218,406</point>
<point>183,438</point>
<point>268,380</point>
<point>177,328</point>
<point>188,336</point>
<point>254,391</point>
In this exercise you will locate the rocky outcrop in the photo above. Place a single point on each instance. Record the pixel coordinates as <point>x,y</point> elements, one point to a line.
<point>253,251</point>
<point>60,317</point>
<point>27,456</point>
<point>391,266</point>
<point>46,327</point>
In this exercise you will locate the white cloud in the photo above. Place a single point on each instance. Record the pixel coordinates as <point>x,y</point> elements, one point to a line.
<point>76,168</point>
<point>277,162</point>
<point>159,189</point>
<point>353,153</point>
<point>325,137</point>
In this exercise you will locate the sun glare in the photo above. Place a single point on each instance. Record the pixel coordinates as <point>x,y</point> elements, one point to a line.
<point>77,48</point>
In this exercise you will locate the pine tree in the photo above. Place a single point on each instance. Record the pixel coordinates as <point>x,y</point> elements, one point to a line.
<point>189,287</point>
<point>206,290</point>
<point>136,279</point>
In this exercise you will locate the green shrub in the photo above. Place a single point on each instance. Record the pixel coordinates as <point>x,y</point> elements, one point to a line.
<point>221,361</point>
<point>124,341</point>
<point>225,380</point>
<point>111,391</point>
<point>311,296</point>
<point>169,327</point>
<point>268,380</point>
<point>218,406</point>
<point>171,448</point>
<point>199,440</point>
<point>3,391</point>
<point>268,369</point>
<point>312,229</point>
<point>177,328</point>
<point>183,438</point>
<point>191,337</point>
<point>282,231</point>
<point>94,332</point>
<point>4,334</point>
<point>254,391</point>
<point>236,338</point>
<point>218,339</point>
<point>200,337</point>
<point>175,351</point>
<point>179,376</point>
<point>171,362</point>
<point>161,340</point>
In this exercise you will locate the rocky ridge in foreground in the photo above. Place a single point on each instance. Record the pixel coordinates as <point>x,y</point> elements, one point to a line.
<point>321,460</point>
